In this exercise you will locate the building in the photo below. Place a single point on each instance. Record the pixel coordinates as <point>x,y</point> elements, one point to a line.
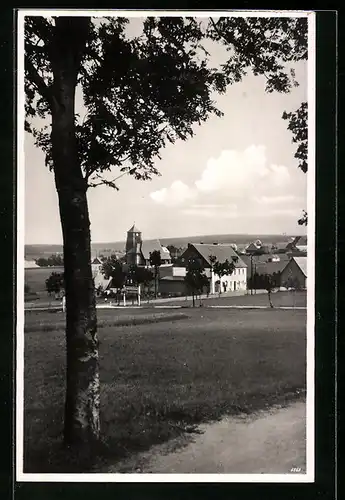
<point>257,248</point>
<point>96,265</point>
<point>172,281</point>
<point>280,247</point>
<point>294,274</point>
<point>203,252</point>
<point>101,282</point>
<point>138,251</point>
<point>264,265</point>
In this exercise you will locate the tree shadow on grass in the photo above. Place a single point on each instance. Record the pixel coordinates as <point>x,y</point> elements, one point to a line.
<point>138,432</point>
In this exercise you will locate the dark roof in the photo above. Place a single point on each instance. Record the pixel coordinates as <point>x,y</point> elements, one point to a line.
<point>172,278</point>
<point>261,265</point>
<point>96,260</point>
<point>281,245</point>
<point>150,245</point>
<point>302,240</point>
<point>134,229</point>
<point>302,264</point>
<point>222,252</point>
<point>252,246</point>
<point>265,257</point>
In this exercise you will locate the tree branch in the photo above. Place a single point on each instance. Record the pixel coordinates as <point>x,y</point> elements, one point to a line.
<point>38,81</point>
<point>227,41</point>
<point>92,171</point>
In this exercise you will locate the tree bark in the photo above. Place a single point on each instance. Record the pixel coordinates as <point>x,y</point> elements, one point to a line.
<point>82,425</point>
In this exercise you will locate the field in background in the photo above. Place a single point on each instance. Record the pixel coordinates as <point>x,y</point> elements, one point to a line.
<point>36,278</point>
<point>160,379</point>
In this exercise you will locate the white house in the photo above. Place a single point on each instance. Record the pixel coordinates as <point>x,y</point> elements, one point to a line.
<point>235,282</point>
<point>96,265</point>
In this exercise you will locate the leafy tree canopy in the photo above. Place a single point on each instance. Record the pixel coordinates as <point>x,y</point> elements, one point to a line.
<point>195,278</point>
<point>55,283</point>
<point>298,125</point>
<point>138,93</point>
<point>113,268</point>
<point>266,45</point>
<point>141,93</point>
<point>155,259</point>
<point>140,275</point>
<point>53,260</point>
<point>225,268</point>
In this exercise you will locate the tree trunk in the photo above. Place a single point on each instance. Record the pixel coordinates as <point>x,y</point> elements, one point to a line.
<point>82,426</point>
<point>156,281</point>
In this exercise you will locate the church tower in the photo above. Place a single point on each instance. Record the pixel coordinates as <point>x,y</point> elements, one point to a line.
<point>133,246</point>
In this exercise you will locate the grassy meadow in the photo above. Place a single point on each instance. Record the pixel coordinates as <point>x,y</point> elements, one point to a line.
<point>161,374</point>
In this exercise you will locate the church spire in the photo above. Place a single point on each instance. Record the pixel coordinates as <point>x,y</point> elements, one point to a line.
<point>134,229</point>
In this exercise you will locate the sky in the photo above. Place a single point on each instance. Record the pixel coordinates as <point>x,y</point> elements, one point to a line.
<point>237,175</point>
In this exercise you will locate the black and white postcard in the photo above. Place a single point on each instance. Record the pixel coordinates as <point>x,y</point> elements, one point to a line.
<point>166,246</point>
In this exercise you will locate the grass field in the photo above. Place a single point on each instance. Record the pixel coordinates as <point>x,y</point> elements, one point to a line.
<point>279,299</point>
<point>158,379</point>
<point>36,278</point>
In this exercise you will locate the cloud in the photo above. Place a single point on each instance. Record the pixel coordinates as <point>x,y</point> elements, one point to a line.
<point>215,206</point>
<point>288,212</point>
<point>280,175</point>
<point>233,170</point>
<point>233,184</point>
<point>274,200</point>
<point>176,194</point>
<point>217,212</point>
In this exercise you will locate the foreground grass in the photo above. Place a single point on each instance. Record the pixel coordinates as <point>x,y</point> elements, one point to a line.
<point>163,378</point>
<point>36,322</point>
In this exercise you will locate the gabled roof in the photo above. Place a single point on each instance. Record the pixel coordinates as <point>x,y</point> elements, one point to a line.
<point>252,246</point>
<point>222,252</point>
<point>134,229</point>
<point>150,246</point>
<point>97,260</point>
<point>302,264</point>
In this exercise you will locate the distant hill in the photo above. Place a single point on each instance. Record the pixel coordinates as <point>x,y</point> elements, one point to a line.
<point>33,252</point>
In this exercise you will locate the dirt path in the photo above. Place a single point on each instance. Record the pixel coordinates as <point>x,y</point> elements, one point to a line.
<point>272,443</point>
